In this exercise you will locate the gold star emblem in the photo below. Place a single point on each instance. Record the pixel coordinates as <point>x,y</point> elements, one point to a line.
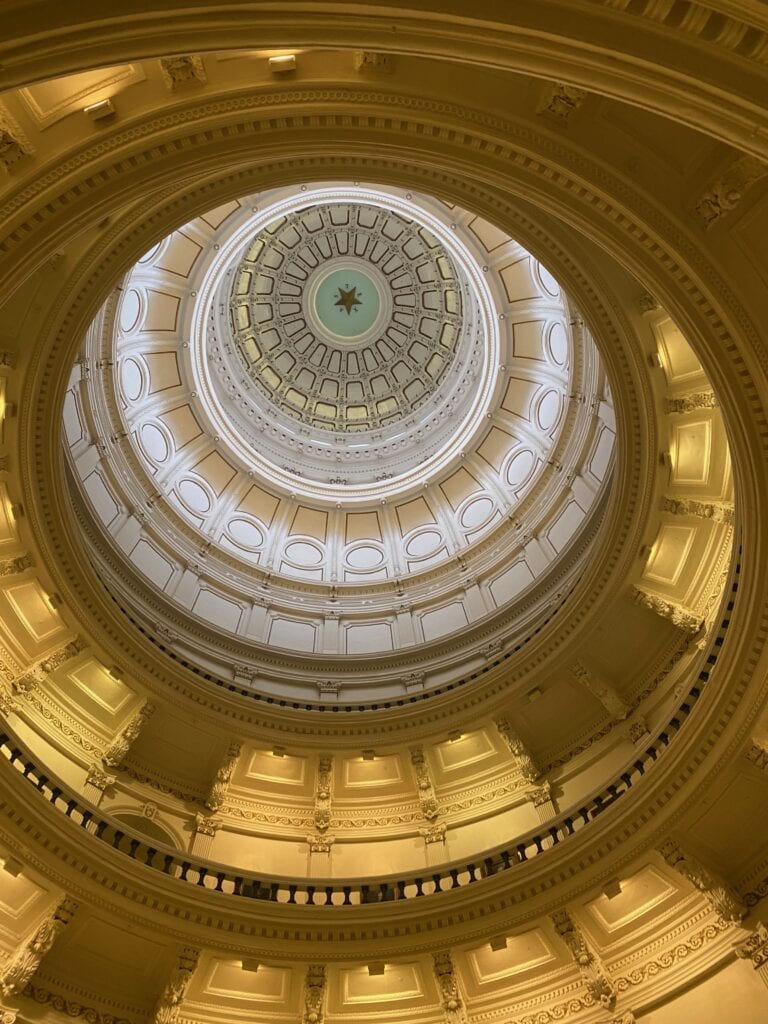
<point>348,299</point>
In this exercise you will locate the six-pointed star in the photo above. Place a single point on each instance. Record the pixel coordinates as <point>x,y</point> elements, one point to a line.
<point>348,299</point>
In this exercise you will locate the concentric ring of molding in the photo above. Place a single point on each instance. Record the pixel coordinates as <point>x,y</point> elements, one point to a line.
<point>461,186</point>
<point>502,568</point>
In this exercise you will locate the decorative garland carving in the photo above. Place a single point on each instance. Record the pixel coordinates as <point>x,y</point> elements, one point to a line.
<point>683,618</point>
<point>447,983</point>
<point>314,994</point>
<point>593,972</point>
<point>424,787</point>
<point>69,1007</point>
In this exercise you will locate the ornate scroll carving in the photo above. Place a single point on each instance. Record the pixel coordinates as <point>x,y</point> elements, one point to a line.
<point>314,994</point>
<point>611,701</point>
<point>169,1004</point>
<point>593,972</point>
<point>184,70</point>
<point>11,566</point>
<point>683,618</point>
<point>525,763</point>
<point>117,750</point>
<point>19,970</point>
<point>722,898</point>
<point>453,1008</point>
<point>426,793</point>
<point>562,100</point>
<point>715,511</point>
<point>726,192</point>
<point>215,798</point>
<point>689,403</point>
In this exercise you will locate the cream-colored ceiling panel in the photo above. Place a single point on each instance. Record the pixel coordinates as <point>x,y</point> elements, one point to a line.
<point>100,495</point>
<point>459,486</point>
<point>413,514</point>
<point>691,452</point>
<point>442,621</point>
<point>511,582</point>
<point>368,636</point>
<point>519,282</point>
<point>525,953</point>
<point>49,101</point>
<point>680,364</point>
<point>293,634</point>
<point>33,609</point>
<point>267,769</point>
<point>520,396</point>
<point>488,234</point>
<point>465,753</point>
<point>352,990</point>
<point>215,470</point>
<point>217,610</point>
<point>363,777</point>
<point>669,554</point>
<point>7,520</point>
<point>219,215</point>
<point>163,369</point>
<point>182,424</point>
<point>528,340</point>
<point>220,985</point>
<point>162,310</point>
<point>565,526</point>
<point>22,902</point>
<point>643,894</point>
<point>179,254</point>
<point>95,689</point>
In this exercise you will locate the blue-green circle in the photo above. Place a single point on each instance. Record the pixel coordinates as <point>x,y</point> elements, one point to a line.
<point>347,303</point>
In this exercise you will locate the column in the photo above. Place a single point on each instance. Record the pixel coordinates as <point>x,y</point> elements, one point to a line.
<point>18,971</point>
<point>168,1006</point>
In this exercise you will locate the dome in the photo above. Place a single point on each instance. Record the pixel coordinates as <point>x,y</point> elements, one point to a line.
<point>382,445</point>
<point>300,520</point>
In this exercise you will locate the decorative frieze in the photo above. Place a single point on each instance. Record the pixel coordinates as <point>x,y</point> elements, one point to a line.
<point>314,995</point>
<point>525,763</point>
<point>721,897</point>
<point>593,972</point>
<point>328,688</point>
<point>182,70</point>
<point>425,790</point>
<point>617,708</point>
<point>168,1005</point>
<point>18,971</point>
<point>716,511</point>
<point>447,983</point>
<point>218,791</point>
<point>683,618</point>
<point>562,100</point>
<point>321,815</point>
<point>690,403</point>
<point>726,192</point>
